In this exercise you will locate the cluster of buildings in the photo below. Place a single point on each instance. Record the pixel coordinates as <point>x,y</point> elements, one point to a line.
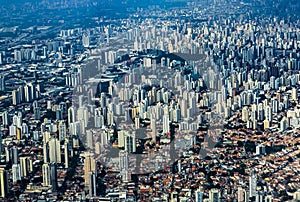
<point>188,104</point>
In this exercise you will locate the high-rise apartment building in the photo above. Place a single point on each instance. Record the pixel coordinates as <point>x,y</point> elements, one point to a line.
<point>89,166</point>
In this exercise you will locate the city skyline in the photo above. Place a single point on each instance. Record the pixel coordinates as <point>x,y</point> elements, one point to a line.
<point>150,100</point>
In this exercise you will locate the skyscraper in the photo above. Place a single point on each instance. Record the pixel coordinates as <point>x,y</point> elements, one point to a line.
<point>2,83</point>
<point>53,176</point>
<point>54,151</point>
<point>166,123</point>
<point>86,40</point>
<point>130,143</point>
<point>25,166</point>
<point>30,92</point>
<point>62,130</point>
<point>71,115</point>
<point>16,174</point>
<point>3,183</point>
<point>241,197</point>
<point>15,97</point>
<point>14,155</point>
<point>83,115</point>
<point>183,108</point>
<point>99,119</point>
<point>66,152</point>
<point>5,118</point>
<point>17,120</point>
<point>214,195</point>
<point>153,128</point>
<point>90,139</point>
<point>92,185</point>
<point>252,185</point>
<point>199,195</point>
<point>245,114</point>
<point>89,166</point>
<point>46,174</point>
<point>107,31</point>
<point>166,119</point>
<point>123,160</point>
<point>37,113</point>
<point>124,165</point>
<point>46,152</point>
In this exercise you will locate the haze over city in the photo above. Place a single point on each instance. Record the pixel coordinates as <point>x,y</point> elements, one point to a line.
<point>157,100</point>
